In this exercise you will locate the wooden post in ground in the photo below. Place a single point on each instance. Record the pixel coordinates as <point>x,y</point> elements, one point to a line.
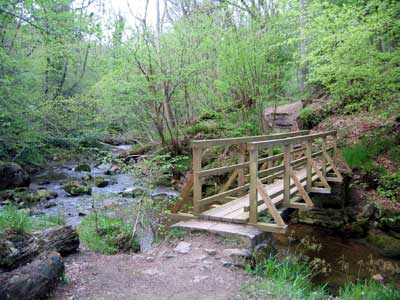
<point>242,159</point>
<point>286,175</point>
<point>253,184</point>
<point>324,161</point>
<point>197,190</point>
<point>309,165</point>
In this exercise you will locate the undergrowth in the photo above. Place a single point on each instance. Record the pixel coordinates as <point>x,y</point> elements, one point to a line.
<point>21,222</point>
<point>107,235</point>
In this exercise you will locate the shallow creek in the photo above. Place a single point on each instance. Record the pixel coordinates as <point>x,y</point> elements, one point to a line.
<point>73,209</point>
<point>348,259</point>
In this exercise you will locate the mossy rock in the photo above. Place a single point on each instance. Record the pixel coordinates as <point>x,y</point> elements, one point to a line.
<point>82,168</point>
<point>43,195</point>
<point>165,182</point>
<point>86,177</point>
<point>101,182</point>
<point>134,192</point>
<point>76,189</point>
<point>384,243</point>
<point>391,223</point>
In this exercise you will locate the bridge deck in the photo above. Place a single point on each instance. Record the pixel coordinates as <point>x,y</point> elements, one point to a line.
<point>236,211</point>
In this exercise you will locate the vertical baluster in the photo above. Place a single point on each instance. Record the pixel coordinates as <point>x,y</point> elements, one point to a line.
<point>309,164</point>
<point>253,152</point>
<point>197,188</point>
<point>242,159</point>
<point>324,161</point>
<point>286,175</point>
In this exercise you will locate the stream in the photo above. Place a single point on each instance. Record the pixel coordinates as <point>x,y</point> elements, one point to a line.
<point>349,260</point>
<point>73,209</point>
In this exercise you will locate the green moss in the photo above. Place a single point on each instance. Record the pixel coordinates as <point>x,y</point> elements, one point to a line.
<point>82,168</point>
<point>387,245</point>
<point>75,189</point>
<point>100,182</point>
<point>309,118</point>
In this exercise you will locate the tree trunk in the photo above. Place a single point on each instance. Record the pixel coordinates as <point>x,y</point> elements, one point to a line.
<point>17,250</point>
<point>303,50</point>
<point>32,281</point>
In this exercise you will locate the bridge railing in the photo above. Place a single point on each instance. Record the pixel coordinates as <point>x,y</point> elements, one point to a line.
<point>286,170</point>
<point>239,170</point>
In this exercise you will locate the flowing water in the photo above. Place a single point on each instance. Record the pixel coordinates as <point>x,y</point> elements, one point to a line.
<point>73,209</point>
<point>347,259</point>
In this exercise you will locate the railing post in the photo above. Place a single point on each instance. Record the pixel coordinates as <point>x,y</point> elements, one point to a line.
<point>286,175</point>
<point>270,163</point>
<point>242,159</point>
<point>197,188</point>
<point>309,165</point>
<point>253,162</point>
<point>324,161</point>
<point>335,151</point>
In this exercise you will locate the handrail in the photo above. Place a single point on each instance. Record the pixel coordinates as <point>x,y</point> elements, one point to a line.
<point>246,139</point>
<point>288,141</point>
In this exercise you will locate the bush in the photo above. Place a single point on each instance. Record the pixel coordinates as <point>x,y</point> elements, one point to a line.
<point>17,220</point>
<point>389,186</point>
<point>107,235</point>
<point>368,291</point>
<point>287,279</point>
<point>309,118</point>
<point>20,221</point>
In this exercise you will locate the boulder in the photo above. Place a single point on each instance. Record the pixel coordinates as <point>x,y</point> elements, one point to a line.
<point>101,182</point>
<point>282,117</point>
<point>183,248</point>
<point>76,189</point>
<point>325,217</point>
<point>82,168</point>
<point>86,177</point>
<point>12,176</point>
<point>34,280</point>
<point>134,192</point>
<point>115,169</point>
<point>384,243</point>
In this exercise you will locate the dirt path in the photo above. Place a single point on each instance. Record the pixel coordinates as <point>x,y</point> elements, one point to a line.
<point>162,274</point>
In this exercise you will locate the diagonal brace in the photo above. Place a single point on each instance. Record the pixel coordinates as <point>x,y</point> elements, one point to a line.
<point>270,205</point>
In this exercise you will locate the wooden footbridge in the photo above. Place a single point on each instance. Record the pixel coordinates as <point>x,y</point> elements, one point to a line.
<point>272,172</point>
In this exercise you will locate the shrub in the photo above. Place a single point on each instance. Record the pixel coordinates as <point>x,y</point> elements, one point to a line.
<point>368,291</point>
<point>107,235</point>
<point>389,186</point>
<point>12,218</point>
<point>309,118</point>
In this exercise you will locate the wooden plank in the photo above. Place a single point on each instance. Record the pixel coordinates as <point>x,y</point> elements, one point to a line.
<point>286,175</point>
<point>309,165</point>
<point>184,195</point>
<point>301,189</point>
<point>181,216</point>
<point>300,206</point>
<point>223,170</point>
<point>242,159</point>
<point>320,190</point>
<point>219,196</point>
<point>229,182</point>
<point>242,140</point>
<point>253,185</point>
<point>324,161</point>
<point>271,207</point>
<point>319,173</point>
<point>288,141</point>
<point>197,188</point>
<point>270,227</point>
<point>332,164</point>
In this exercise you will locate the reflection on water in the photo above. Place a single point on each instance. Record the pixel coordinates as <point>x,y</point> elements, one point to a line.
<point>349,260</point>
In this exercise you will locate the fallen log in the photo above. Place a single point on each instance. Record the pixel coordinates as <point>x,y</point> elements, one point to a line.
<point>17,250</point>
<point>33,281</point>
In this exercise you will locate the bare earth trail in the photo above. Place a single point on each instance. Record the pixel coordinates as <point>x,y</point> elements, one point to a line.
<point>161,274</point>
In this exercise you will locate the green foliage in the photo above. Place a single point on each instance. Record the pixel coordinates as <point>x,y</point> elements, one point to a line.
<point>352,52</point>
<point>285,279</point>
<point>20,221</point>
<point>368,291</point>
<point>107,235</point>
<point>12,218</point>
<point>389,186</point>
<point>309,118</point>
